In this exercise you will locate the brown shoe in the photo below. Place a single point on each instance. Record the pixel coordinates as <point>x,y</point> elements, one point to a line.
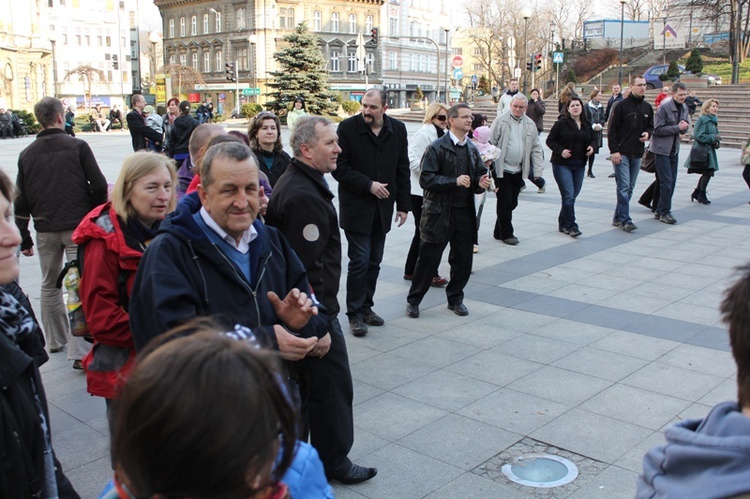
<point>77,364</point>
<point>438,282</point>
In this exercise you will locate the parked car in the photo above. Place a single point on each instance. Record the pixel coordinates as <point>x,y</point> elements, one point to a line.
<point>652,76</point>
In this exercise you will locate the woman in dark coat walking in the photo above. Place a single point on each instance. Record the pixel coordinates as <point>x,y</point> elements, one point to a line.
<point>571,140</point>
<point>706,133</point>
<point>597,117</point>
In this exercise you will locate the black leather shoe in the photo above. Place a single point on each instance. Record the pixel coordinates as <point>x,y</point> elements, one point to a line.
<point>373,319</point>
<point>356,474</point>
<point>459,309</point>
<point>412,311</point>
<point>357,327</point>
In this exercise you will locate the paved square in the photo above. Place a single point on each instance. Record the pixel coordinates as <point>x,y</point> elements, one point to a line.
<point>592,345</point>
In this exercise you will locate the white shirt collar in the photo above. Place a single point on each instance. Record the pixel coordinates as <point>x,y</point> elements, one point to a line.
<point>247,237</point>
<point>455,140</point>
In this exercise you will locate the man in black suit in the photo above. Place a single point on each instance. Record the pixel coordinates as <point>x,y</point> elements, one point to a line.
<point>139,131</point>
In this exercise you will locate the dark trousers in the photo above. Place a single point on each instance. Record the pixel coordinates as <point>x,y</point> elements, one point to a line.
<point>326,392</point>
<point>460,236</point>
<point>365,255</point>
<point>651,195</point>
<point>746,175</point>
<point>508,188</point>
<point>666,170</point>
<point>411,257</point>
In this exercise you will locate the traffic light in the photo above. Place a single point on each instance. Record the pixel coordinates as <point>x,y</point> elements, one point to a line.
<point>537,62</point>
<point>374,35</point>
<point>115,64</point>
<point>528,66</point>
<point>231,75</point>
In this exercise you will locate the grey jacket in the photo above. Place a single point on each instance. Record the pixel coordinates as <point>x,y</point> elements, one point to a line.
<point>532,153</point>
<point>667,127</point>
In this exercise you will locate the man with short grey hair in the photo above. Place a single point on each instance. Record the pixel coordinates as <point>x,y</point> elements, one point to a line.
<point>520,152</point>
<point>59,182</point>
<point>671,120</point>
<point>302,209</point>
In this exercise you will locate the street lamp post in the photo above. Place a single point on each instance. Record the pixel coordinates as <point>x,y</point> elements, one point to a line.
<point>551,52</point>
<point>526,13</point>
<point>622,30</point>
<point>53,40</point>
<point>664,41</point>
<point>447,66</point>
<point>154,38</point>
<point>253,41</point>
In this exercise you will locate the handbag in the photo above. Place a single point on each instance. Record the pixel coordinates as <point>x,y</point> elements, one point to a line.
<point>648,161</point>
<point>699,156</point>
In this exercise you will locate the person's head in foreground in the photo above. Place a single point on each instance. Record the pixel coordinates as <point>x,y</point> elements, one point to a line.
<point>203,415</point>
<point>710,458</point>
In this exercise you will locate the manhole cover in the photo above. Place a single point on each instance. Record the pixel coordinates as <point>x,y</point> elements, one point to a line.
<point>543,471</point>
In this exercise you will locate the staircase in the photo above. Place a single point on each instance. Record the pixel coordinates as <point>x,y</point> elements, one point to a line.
<point>734,110</point>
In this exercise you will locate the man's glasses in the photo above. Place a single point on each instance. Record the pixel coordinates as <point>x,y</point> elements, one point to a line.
<point>441,117</point>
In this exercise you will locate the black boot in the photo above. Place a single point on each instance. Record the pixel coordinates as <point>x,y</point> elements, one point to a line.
<point>695,196</point>
<point>702,197</point>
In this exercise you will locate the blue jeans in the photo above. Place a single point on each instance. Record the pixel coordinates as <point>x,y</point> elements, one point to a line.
<point>365,255</point>
<point>626,173</point>
<point>666,170</point>
<point>569,180</point>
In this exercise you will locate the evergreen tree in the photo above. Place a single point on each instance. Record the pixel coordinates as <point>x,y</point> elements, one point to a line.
<point>673,72</point>
<point>302,74</point>
<point>694,63</point>
<point>571,76</point>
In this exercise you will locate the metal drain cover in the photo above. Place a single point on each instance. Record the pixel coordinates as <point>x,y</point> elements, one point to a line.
<point>541,471</point>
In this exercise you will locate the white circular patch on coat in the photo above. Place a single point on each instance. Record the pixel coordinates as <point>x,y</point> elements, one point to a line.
<point>311,233</point>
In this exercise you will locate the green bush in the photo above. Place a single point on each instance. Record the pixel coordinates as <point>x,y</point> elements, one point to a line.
<point>250,109</point>
<point>29,119</point>
<point>694,63</point>
<point>350,106</point>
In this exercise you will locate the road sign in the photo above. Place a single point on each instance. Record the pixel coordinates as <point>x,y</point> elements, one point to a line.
<point>474,79</point>
<point>457,61</point>
<point>251,91</point>
<point>458,73</point>
<point>516,72</point>
<point>558,57</point>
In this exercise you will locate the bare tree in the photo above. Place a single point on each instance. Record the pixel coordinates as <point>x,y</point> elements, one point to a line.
<point>87,73</point>
<point>182,75</point>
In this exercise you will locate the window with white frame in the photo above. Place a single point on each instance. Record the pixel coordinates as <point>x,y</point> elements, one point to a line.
<point>352,58</point>
<point>335,61</point>
<point>368,24</point>
<point>206,62</point>
<point>290,18</point>
<point>282,18</point>
<point>352,23</point>
<point>240,21</point>
<point>205,24</point>
<point>183,60</point>
<point>412,62</point>
<point>240,55</point>
<point>194,25</point>
<point>194,60</point>
<point>171,28</point>
<point>172,60</point>
<point>217,60</point>
<point>393,26</point>
<point>317,20</point>
<point>217,22</point>
<point>392,60</point>
<point>335,22</point>
<point>182,26</point>
<point>370,62</point>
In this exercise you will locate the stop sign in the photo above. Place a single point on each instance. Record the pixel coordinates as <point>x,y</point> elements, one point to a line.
<point>457,61</point>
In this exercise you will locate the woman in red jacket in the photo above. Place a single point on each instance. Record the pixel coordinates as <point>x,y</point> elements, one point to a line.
<point>115,235</point>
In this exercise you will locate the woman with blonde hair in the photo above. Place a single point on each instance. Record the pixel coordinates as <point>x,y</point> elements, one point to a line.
<point>115,236</point>
<point>567,93</point>
<point>706,134</point>
<point>434,126</point>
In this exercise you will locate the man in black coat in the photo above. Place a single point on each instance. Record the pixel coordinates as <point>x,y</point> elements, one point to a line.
<point>139,131</point>
<point>302,209</point>
<point>452,172</point>
<point>373,173</point>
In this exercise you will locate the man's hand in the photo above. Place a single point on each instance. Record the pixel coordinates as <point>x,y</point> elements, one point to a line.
<point>589,151</point>
<point>463,181</point>
<point>321,347</point>
<point>566,153</point>
<point>28,252</point>
<point>400,218</point>
<point>292,347</point>
<point>644,137</point>
<point>379,190</point>
<point>295,310</point>
<point>683,125</point>
<point>485,181</point>
<point>616,158</point>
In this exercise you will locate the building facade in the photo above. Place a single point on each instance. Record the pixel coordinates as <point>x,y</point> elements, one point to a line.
<point>26,54</point>
<point>206,36</point>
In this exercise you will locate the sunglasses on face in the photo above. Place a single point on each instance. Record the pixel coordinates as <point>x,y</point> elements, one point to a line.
<point>441,117</point>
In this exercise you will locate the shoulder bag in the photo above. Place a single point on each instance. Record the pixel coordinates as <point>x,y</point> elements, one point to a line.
<point>699,155</point>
